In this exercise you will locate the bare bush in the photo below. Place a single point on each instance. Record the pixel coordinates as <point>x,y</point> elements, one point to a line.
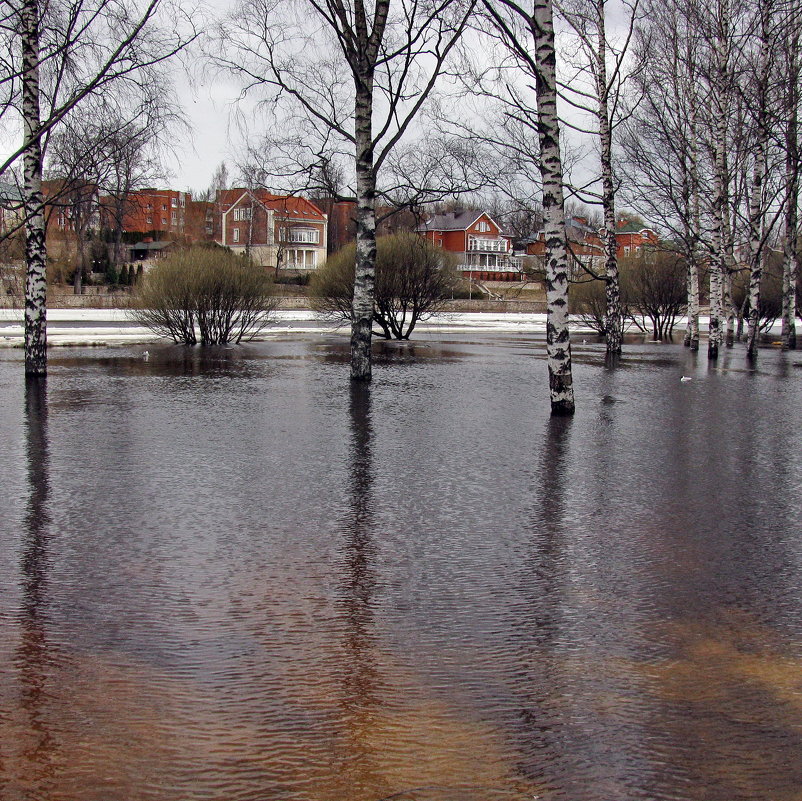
<point>587,302</point>
<point>413,280</point>
<point>203,295</point>
<point>654,285</point>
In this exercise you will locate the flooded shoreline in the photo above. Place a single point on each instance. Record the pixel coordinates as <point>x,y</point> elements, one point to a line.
<point>230,576</point>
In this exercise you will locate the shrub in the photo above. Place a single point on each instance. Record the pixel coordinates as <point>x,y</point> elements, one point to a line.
<point>654,288</point>
<point>413,280</point>
<point>208,296</point>
<point>587,301</point>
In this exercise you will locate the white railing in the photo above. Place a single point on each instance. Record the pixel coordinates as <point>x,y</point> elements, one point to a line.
<point>506,267</point>
<point>488,245</point>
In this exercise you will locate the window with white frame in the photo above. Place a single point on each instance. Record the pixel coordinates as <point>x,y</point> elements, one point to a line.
<point>483,226</point>
<point>174,202</point>
<point>236,234</point>
<point>242,214</point>
<point>174,217</point>
<point>309,236</point>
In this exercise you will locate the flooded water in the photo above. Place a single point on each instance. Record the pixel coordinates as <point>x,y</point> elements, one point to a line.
<point>229,576</point>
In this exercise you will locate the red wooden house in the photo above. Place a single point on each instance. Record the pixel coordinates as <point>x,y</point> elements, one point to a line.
<point>483,249</point>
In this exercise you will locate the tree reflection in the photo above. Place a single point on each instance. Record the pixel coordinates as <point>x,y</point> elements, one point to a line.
<point>358,588</point>
<point>541,630</point>
<point>33,655</point>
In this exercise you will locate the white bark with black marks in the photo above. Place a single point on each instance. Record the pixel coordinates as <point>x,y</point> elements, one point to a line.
<point>558,340</point>
<point>613,324</point>
<point>791,232</point>
<point>365,268</point>
<point>35,247</point>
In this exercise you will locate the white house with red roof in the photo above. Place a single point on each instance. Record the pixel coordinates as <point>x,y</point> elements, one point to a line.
<point>483,248</point>
<point>274,230</point>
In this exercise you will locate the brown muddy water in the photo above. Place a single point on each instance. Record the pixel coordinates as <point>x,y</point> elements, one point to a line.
<point>226,575</point>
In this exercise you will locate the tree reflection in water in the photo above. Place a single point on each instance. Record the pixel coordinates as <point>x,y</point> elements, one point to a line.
<point>360,693</point>
<point>33,656</point>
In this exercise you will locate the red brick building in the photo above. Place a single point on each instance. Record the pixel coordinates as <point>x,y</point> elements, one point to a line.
<point>633,238</point>
<point>483,249</point>
<point>278,231</point>
<point>156,210</point>
<point>585,245</point>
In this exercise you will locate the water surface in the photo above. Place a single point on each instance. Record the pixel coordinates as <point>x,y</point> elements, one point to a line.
<point>227,575</point>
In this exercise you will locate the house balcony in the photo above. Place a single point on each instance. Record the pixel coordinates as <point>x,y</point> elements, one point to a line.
<point>487,245</point>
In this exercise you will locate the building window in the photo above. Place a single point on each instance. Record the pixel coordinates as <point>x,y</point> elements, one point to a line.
<point>309,236</point>
<point>164,207</point>
<point>483,226</point>
<point>626,250</point>
<point>174,203</point>
<point>150,220</point>
<point>183,201</point>
<point>164,221</point>
<point>236,234</point>
<point>174,216</point>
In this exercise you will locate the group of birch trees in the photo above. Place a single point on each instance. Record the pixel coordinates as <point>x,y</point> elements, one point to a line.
<point>57,58</point>
<point>685,110</point>
<point>711,153</point>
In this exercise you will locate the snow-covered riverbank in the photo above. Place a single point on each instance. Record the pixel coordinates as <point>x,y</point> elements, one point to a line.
<point>113,326</point>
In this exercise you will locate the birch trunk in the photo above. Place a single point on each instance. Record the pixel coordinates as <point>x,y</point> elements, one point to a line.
<point>728,265</point>
<point>756,251</point>
<point>558,341</point>
<point>718,261</point>
<point>790,255</point>
<point>365,268</point>
<point>35,248</point>
<point>692,333</point>
<point>715,334</point>
<point>613,327</point>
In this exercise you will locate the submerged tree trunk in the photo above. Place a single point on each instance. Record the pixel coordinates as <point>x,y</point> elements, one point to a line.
<point>717,265</point>
<point>692,331</point>
<point>558,341</point>
<point>756,250</point>
<point>35,248</point>
<point>365,268</point>
<point>790,246</point>
<point>613,325</point>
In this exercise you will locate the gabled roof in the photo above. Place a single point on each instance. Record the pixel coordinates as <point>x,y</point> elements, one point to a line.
<point>291,206</point>
<point>456,221</point>
<point>630,227</point>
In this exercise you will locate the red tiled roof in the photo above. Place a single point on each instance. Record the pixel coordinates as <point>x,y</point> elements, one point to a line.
<point>291,205</point>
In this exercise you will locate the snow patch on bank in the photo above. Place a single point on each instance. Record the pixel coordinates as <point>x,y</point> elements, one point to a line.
<point>115,326</point>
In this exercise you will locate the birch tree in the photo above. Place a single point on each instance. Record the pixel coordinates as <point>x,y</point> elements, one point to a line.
<point>597,74</point>
<point>529,37</point>
<point>69,51</point>
<point>354,102</point>
<point>757,223</point>
<point>792,166</point>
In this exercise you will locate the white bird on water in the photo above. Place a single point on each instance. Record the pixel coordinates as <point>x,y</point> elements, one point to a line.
<point>686,378</point>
